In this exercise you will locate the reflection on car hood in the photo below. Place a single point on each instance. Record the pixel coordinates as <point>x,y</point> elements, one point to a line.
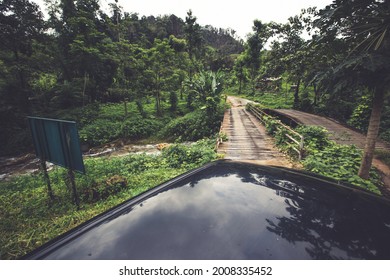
<point>230,210</point>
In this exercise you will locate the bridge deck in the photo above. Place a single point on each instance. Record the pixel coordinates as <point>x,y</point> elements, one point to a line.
<point>248,140</point>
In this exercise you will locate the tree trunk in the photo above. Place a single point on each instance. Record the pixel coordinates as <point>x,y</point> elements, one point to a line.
<point>158,97</point>
<point>84,87</point>
<point>158,104</point>
<point>315,94</point>
<point>296,94</point>
<point>372,133</point>
<point>253,81</point>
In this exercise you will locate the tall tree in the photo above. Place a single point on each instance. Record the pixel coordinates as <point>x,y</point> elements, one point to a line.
<point>364,25</point>
<point>240,71</point>
<point>86,54</point>
<point>162,68</point>
<point>194,40</point>
<point>116,20</point>
<point>255,45</point>
<point>21,25</point>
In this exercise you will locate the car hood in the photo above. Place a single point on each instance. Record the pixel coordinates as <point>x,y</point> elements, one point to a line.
<point>230,210</point>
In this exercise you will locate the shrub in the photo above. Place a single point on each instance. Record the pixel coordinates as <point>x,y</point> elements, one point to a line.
<point>193,126</point>
<point>100,131</point>
<point>271,125</point>
<point>139,128</point>
<point>315,137</point>
<point>190,156</point>
<point>361,114</point>
<point>385,135</point>
<point>341,162</point>
<point>103,131</point>
<point>104,189</point>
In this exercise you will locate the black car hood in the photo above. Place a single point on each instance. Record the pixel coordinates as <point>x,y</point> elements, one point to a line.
<point>230,210</point>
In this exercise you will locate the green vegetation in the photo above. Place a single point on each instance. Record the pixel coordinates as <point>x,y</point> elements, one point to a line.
<point>340,162</point>
<point>274,100</point>
<point>193,126</point>
<point>29,219</point>
<point>82,63</point>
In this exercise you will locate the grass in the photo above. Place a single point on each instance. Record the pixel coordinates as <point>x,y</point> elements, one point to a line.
<point>29,219</point>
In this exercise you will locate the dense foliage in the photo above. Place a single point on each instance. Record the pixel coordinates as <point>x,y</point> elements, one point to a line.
<point>340,162</point>
<point>81,56</point>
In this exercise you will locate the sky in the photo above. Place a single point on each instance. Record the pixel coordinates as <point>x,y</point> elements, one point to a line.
<point>237,15</point>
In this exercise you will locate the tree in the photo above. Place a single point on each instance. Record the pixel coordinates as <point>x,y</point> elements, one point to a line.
<point>290,52</point>
<point>240,71</point>
<point>194,40</point>
<point>364,26</point>
<point>255,44</point>
<point>86,55</point>
<point>21,25</point>
<point>206,89</point>
<point>162,68</point>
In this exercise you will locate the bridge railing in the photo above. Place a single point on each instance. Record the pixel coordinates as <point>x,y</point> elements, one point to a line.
<point>219,138</point>
<point>296,139</point>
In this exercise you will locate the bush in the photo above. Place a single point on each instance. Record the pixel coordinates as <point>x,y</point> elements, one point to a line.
<point>271,125</point>
<point>315,137</point>
<point>193,126</point>
<point>104,189</point>
<point>139,128</point>
<point>100,131</point>
<point>324,156</point>
<point>190,156</point>
<point>361,114</point>
<point>341,162</point>
<point>305,103</point>
<point>385,136</point>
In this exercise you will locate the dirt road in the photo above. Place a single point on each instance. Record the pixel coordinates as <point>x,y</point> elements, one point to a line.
<point>248,140</point>
<point>338,132</point>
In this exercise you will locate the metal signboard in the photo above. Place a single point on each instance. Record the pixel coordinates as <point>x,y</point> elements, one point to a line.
<point>57,141</point>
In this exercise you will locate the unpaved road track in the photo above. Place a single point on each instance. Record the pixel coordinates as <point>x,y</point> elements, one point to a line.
<point>247,139</point>
<point>339,133</point>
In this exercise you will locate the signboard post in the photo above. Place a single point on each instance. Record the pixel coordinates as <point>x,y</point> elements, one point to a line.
<point>57,141</point>
<point>47,179</point>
